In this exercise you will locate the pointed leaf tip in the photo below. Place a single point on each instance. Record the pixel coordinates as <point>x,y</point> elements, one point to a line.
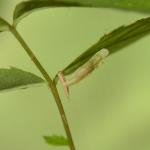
<point>14,78</point>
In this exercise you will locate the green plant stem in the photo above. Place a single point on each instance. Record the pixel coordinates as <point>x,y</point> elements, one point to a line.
<point>51,85</point>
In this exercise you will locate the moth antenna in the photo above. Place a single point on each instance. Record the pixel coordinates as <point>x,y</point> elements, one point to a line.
<point>63,83</point>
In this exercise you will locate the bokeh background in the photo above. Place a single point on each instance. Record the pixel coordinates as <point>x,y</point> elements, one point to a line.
<point>109,110</point>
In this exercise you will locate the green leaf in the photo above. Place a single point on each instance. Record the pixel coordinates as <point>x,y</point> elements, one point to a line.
<point>113,41</point>
<point>56,140</point>
<point>138,5</point>
<point>16,78</point>
<point>4,26</point>
<point>23,9</point>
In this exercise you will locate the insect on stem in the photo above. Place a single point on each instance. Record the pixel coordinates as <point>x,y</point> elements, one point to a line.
<point>82,71</point>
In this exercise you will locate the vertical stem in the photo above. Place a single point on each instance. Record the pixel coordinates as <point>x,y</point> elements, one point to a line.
<point>51,85</point>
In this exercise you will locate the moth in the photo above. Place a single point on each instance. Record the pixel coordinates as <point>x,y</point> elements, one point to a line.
<point>83,70</point>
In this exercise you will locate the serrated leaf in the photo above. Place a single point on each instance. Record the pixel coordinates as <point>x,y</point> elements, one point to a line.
<point>25,8</point>
<point>56,140</point>
<point>113,41</point>
<point>3,25</point>
<point>15,78</point>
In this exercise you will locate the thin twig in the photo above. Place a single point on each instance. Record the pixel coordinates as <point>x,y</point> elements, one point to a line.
<point>51,85</point>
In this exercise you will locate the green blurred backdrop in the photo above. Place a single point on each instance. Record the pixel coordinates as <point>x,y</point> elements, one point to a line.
<point>109,110</point>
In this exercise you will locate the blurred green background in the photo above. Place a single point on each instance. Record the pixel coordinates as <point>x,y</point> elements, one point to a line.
<point>109,110</point>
